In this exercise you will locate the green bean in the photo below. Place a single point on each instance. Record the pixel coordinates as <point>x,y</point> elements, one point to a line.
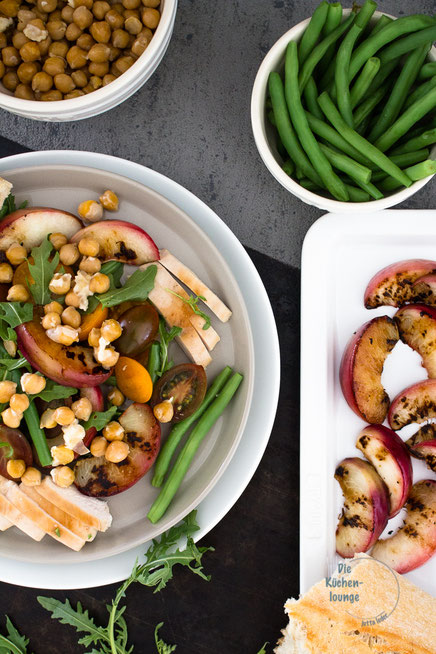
<point>311,98</point>
<point>403,161</point>
<point>179,430</point>
<point>185,457</point>
<point>313,30</point>
<point>423,140</point>
<point>369,188</point>
<point>286,131</point>
<point>346,164</point>
<point>411,116</point>
<point>420,91</point>
<point>299,173</point>
<point>362,83</point>
<point>366,108</point>
<point>408,43</point>
<point>153,364</point>
<point>357,194</point>
<point>37,435</point>
<point>311,186</point>
<point>384,73</point>
<point>392,31</point>
<point>399,92</point>
<point>428,70</point>
<point>326,132</point>
<point>343,58</point>
<point>382,22</point>
<point>359,142</point>
<point>320,50</point>
<point>288,167</point>
<point>334,19</point>
<point>271,118</point>
<point>417,172</point>
<point>298,117</point>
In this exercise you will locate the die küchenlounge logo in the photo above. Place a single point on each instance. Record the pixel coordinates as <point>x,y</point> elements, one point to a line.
<point>354,590</point>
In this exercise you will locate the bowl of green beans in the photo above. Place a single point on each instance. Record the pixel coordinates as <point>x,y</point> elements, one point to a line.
<point>343,107</point>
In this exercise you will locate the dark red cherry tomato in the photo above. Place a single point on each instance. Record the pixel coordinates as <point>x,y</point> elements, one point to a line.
<point>19,448</point>
<point>140,325</point>
<point>186,384</point>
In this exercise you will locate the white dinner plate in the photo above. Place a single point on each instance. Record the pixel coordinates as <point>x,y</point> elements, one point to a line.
<point>340,256</point>
<point>70,572</point>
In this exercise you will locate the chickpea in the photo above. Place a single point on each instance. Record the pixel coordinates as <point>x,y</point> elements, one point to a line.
<point>16,254</point>
<point>6,273</point>
<point>32,383</point>
<point>79,78</point>
<point>100,9</point>
<point>89,247</point>
<point>47,6</point>
<point>93,338</point>
<point>51,96</point>
<point>16,468</point>
<point>63,476</point>
<point>26,71</point>
<point>67,14</point>
<point>11,418</point>
<point>32,477</point>
<point>99,53</point>
<point>109,200</point>
<point>71,317</point>
<point>133,25</point>
<point>56,29</point>
<point>150,17</point>
<point>72,32</point>
<point>76,57</point>
<point>111,330</point>
<point>118,7</point>
<point>82,408</point>
<point>25,16</point>
<point>7,389</point>
<point>60,283</point>
<point>59,48</point>
<point>101,31</point>
<point>107,79</point>
<point>100,283</point>
<point>19,39</point>
<point>30,52</point>
<point>151,3</point>
<point>44,45</point>
<point>113,431</point>
<point>114,52</point>
<point>108,358</point>
<point>35,30</point>
<point>64,83</point>
<point>62,454</point>
<point>53,307</point>
<point>72,300</point>
<point>3,40</point>
<point>120,38</point>
<point>98,70</point>
<point>82,17</point>
<point>84,3</point>
<point>19,402</point>
<point>122,64</point>
<point>116,397</point>
<point>10,347</point>
<point>47,420</point>
<point>85,42</point>
<point>17,293</point>
<point>129,13</point>
<point>9,8</point>
<point>114,19</point>
<point>56,15</point>
<point>131,4</point>
<point>90,265</point>
<point>2,69</point>
<point>98,446</point>
<point>42,82</point>
<point>10,56</point>
<point>164,411</point>
<point>64,415</point>
<point>56,239</point>
<point>94,81</point>
<point>77,93</point>
<point>117,451</point>
<point>68,254</point>
<point>90,210</point>
<point>51,320</point>
<point>63,334</point>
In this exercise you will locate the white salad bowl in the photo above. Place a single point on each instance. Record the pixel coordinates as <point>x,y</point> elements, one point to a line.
<point>65,187</point>
<point>265,134</point>
<point>108,96</point>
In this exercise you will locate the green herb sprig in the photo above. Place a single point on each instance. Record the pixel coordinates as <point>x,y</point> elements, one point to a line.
<point>114,270</point>
<point>137,287</point>
<point>8,206</point>
<point>165,339</point>
<point>42,270</point>
<point>14,642</point>
<point>192,301</point>
<point>53,391</point>
<point>13,314</point>
<point>262,649</point>
<point>161,646</point>
<point>100,419</point>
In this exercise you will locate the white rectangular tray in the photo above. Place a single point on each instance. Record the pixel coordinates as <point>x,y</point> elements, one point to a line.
<point>340,255</point>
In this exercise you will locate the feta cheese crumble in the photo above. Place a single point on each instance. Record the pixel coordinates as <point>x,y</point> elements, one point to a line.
<point>81,288</point>
<point>73,434</point>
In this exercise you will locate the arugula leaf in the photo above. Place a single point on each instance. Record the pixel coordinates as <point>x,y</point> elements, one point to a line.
<point>114,270</point>
<point>161,646</point>
<point>10,450</point>
<point>192,301</point>
<point>14,643</point>
<point>53,391</point>
<point>165,339</point>
<point>9,206</point>
<point>137,287</point>
<point>100,419</point>
<point>14,364</point>
<point>77,618</point>
<point>262,649</point>
<point>15,313</point>
<point>42,270</point>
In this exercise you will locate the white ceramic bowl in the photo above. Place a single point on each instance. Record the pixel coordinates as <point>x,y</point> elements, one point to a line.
<point>108,96</point>
<point>265,135</point>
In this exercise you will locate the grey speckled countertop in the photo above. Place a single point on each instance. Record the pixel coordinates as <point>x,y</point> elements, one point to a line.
<point>191,121</point>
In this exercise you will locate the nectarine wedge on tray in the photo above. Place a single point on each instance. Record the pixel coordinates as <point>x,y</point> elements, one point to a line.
<point>417,328</point>
<point>393,285</point>
<point>422,445</point>
<point>424,289</point>
<point>417,403</point>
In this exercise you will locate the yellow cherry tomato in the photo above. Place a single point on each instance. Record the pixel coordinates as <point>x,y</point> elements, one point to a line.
<point>133,380</point>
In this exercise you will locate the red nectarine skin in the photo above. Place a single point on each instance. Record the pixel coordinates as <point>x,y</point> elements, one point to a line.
<point>390,457</point>
<point>415,541</point>
<point>393,285</point>
<point>424,290</point>
<point>417,328</point>
<point>95,396</point>
<point>121,241</point>
<point>362,365</point>
<point>417,403</point>
<point>366,507</point>
<point>422,445</point>
<point>31,225</point>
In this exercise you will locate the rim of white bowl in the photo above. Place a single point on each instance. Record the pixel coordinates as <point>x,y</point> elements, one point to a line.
<point>258,123</point>
<point>108,96</point>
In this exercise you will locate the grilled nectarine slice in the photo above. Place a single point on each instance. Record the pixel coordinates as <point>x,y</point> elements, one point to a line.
<point>422,445</point>
<point>366,507</point>
<point>415,541</point>
<point>393,285</point>
<point>31,225</point>
<point>417,403</point>
<point>424,290</point>
<point>362,366</point>
<point>417,328</point>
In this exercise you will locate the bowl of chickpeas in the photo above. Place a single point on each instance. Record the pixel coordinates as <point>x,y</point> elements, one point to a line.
<point>64,60</point>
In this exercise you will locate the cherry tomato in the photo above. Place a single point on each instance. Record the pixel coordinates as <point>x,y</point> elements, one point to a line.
<point>20,448</point>
<point>91,320</point>
<point>186,385</point>
<point>140,325</point>
<point>133,380</point>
